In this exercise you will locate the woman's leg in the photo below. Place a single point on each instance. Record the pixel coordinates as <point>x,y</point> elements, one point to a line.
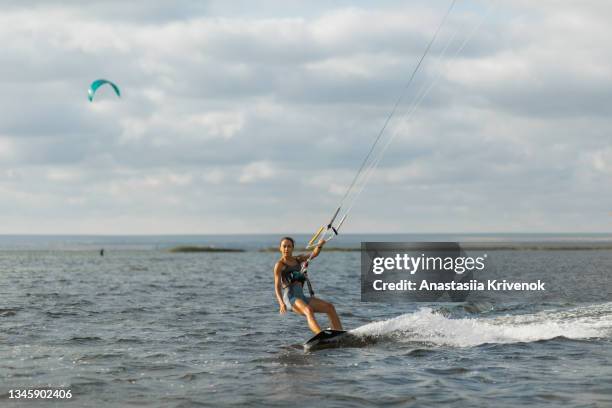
<point>321,306</point>
<point>302,308</point>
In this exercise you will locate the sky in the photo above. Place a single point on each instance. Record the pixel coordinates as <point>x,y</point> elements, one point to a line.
<point>254,117</point>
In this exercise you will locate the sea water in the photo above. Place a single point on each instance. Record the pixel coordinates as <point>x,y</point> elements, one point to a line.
<point>141,326</point>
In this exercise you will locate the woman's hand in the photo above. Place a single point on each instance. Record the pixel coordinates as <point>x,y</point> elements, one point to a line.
<point>283,309</point>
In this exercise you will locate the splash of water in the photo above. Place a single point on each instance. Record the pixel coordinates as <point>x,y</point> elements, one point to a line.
<point>431,327</point>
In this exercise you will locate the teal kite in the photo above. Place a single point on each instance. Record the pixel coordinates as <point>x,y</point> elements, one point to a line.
<point>98,83</point>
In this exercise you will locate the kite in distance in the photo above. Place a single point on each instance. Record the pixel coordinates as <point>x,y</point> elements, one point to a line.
<point>98,83</point>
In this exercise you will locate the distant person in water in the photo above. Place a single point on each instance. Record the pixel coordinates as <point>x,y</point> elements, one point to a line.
<point>288,276</point>
<point>102,252</point>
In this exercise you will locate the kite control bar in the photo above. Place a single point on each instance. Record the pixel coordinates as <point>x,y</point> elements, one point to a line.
<point>328,231</point>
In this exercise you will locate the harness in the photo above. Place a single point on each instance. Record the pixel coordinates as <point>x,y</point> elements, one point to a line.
<point>289,276</point>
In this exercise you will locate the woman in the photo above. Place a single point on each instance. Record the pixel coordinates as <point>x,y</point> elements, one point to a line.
<point>288,275</point>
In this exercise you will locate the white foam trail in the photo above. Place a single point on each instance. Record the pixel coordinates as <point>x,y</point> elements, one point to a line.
<point>427,326</point>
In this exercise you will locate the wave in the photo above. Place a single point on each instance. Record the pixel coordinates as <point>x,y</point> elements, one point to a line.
<point>431,327</point>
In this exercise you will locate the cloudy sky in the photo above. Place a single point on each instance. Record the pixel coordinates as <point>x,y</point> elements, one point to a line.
<point>253,117</point>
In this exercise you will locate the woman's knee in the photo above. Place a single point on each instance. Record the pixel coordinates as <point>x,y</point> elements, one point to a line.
<point>308,311</point>
<point>328,307</point>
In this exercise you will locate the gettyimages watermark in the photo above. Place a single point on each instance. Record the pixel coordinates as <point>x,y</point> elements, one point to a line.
<point>451,271</point>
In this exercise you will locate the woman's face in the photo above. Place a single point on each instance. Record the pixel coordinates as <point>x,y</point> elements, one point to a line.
<point>286,247</point>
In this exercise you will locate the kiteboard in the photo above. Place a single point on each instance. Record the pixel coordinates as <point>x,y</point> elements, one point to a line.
<point>325,339</point>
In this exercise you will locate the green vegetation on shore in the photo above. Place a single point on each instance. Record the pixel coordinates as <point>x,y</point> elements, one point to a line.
<point>326,249</point>
<point>190,248</point>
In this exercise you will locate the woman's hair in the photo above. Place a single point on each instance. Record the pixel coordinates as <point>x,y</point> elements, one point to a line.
<point>289,239</point>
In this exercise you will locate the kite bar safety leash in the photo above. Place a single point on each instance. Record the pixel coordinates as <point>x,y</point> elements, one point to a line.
<point>304,269</point>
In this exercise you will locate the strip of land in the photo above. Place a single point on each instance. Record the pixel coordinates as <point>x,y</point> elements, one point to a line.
<point>188,248</point>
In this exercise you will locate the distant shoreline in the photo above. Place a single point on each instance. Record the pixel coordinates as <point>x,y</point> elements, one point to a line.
<point>269,242</point>
<point>545,246</point>
<point>195,248</point>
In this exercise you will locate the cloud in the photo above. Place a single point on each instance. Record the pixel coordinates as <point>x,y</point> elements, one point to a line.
<point>278,105</point>
<point>257,171</point>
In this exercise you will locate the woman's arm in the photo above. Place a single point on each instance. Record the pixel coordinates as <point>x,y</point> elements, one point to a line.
<point>278,269</point>
<point>318,248</point>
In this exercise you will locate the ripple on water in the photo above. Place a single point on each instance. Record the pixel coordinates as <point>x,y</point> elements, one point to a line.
<point>84,339</point>
<point>99,357</point>
<point>448,371</point>
<point>58,314</point>
<point>421,353</point>
<point>87,385</point>
<point>129,340</point>
<point>8,312</point>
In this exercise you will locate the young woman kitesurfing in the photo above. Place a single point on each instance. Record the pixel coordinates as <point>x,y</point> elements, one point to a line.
<point>289,278</point>
<point>290,272</point>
